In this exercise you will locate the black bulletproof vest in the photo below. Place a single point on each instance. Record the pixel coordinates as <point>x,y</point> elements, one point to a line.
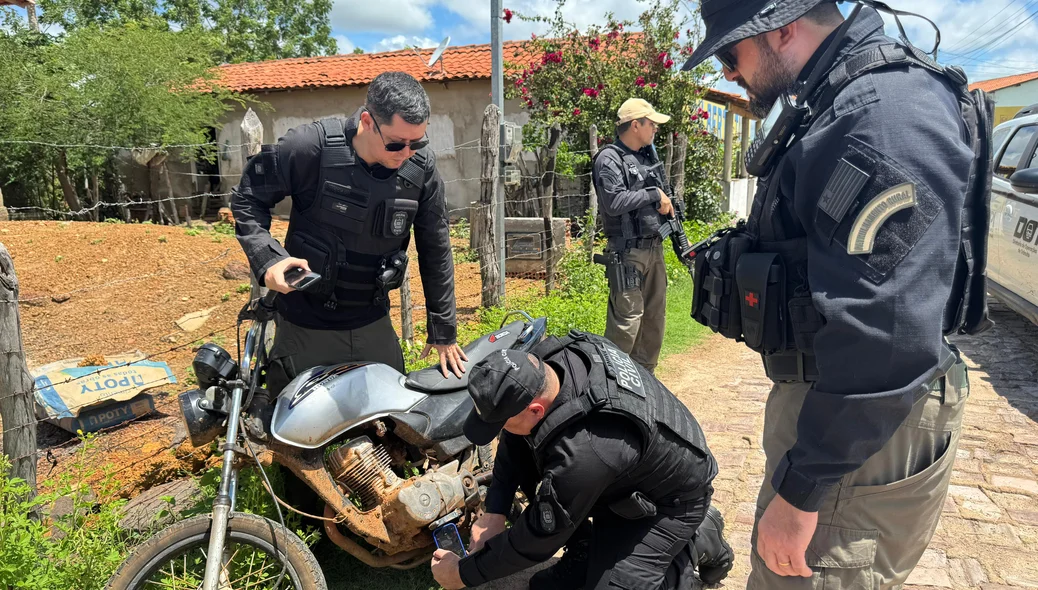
<point>617,385</point>
<point>643,222</point>
<point>356,222</point>
<point>771,215</point>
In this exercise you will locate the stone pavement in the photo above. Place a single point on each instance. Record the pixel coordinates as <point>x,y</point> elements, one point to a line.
<point>988,535</point>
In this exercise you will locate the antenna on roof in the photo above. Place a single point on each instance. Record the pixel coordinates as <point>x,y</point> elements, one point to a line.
<point>437,56</point>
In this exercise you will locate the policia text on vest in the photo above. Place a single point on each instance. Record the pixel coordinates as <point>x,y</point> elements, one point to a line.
<point>865,247</point>
<point>355,199</point>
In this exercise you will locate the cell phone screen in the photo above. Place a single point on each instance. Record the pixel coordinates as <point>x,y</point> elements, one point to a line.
<point>447,537</point>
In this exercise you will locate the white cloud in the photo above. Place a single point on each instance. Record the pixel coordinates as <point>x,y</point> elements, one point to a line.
<point>382,16</point>
<point>344,44</point>
<point>402,41</point>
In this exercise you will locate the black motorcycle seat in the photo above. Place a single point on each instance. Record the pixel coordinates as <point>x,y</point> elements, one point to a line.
<point>431,380</point>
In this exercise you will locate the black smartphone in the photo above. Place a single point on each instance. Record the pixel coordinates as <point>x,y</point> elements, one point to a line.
<point>447,537</point>
<point>300,279</point>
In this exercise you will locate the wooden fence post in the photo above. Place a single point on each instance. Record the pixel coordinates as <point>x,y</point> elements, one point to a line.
<point>548,207</point>
<point>489,257</point>
<point>16,385</point>
<point>678,184</point>
<point>592,205</point>
<point>406,315</point>
<point>252,138</point>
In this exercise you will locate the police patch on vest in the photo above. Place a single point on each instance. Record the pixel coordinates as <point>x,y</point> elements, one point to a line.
<point>547,517</point>
<point>399,224</point>
<point>875,213</point>
<point>620,367</point>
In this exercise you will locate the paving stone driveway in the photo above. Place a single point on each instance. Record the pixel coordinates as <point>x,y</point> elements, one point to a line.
<point>988,534</point>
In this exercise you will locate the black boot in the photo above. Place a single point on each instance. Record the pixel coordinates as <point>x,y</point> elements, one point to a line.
<point>570,572</point>
<point>259,415</point>
<point>714,556</point>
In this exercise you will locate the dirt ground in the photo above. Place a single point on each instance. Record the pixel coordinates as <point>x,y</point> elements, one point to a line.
<point>121,288</point>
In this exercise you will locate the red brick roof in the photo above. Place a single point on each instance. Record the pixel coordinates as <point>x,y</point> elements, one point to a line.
<point>465,62</point>
<point>1000,83</point>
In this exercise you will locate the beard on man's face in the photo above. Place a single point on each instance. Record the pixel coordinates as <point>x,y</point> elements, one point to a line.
<point>773,77</point>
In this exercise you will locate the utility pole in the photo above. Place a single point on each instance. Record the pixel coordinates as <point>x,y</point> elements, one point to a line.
<point>497,86</point>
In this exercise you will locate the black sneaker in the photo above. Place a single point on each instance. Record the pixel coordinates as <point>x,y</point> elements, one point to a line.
<point>714,556</point>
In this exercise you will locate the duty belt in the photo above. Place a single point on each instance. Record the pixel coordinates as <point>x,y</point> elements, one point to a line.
<point>620,244</point>
<point>791,367</point>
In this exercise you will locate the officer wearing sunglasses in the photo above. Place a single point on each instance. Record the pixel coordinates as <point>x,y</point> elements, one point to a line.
<point>358,185</point>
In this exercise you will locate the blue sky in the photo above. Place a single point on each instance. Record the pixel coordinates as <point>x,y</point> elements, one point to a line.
<point>990,38</point>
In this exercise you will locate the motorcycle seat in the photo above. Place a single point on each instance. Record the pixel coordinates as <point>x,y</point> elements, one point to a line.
<point>431,380</point>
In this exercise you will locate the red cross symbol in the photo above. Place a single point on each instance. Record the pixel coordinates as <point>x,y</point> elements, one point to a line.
<point>751,298</point>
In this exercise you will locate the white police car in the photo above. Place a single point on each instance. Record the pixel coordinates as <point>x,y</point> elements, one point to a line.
<point>1013,232</point>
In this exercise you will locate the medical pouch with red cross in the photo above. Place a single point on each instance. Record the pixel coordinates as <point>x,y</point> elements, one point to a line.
<point>761,281</point>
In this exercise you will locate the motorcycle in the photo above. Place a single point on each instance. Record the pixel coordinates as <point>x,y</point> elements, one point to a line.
<point>385,452</point>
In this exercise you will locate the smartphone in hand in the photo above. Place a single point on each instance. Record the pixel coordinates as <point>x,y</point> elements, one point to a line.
<point>447,537</point>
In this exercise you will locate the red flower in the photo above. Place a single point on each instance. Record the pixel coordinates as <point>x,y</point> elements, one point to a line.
<point>705,133</point>
<point>640,81</point>
<point>591,92</point>
<point>668,64</point>
<point>613,35</point>
<point>642,63</point>
<point>533,36</point>
<point>621,26</point>
<point>662,56</point>
<point>652,85</point>
<point>508,16</point>
<point>576,112</point>
<point>676,35</point>
<point>593,43</point>
<point>694,117</point>
<point>601,87</point>
<point>525,90</point>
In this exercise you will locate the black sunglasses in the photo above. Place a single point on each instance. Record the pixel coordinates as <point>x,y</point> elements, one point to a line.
<point>396,146</point>
<point>726,58</point>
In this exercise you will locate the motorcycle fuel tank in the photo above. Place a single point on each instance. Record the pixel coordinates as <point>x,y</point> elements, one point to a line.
<point>323,402</point>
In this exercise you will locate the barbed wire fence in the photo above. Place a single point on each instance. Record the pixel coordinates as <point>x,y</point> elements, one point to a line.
<point>531,254</point>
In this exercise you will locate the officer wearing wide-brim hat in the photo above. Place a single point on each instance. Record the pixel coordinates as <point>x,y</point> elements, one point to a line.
<point>587,432</point>
<point>863,249</point>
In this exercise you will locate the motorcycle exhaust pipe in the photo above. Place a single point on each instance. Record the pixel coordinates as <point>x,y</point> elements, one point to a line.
<point>353,548</point>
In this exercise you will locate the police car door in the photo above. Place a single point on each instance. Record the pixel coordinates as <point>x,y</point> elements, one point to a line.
<point>1015,244</point>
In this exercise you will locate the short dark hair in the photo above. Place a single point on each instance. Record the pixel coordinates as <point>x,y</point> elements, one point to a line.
<point>623,127</point>
<point>397,93</point>
<point>826,13</point>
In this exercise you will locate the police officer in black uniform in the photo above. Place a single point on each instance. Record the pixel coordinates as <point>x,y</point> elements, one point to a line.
<point>358,186</point>
<point>588,432</point>
<point>864,248</point>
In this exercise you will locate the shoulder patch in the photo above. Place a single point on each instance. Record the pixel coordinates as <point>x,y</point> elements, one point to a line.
<point>875,213</point>
<point>890,215</point>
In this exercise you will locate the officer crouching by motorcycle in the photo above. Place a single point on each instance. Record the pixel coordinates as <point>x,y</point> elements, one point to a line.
<point>588,432</point>
<point>865,246</point>
<point>630,183</point>
<point>358,186</point>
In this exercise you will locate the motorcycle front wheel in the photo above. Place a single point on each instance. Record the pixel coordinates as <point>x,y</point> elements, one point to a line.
<point>256,551</point>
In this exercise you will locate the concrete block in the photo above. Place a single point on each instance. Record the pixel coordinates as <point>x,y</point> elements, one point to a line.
<point>525,250</point>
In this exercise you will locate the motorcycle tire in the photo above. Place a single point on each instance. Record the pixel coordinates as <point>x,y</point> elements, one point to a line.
<point>302,571</point>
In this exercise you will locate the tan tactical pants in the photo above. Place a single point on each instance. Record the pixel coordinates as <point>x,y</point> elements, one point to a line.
<point>875,525</point>
<point>636,319</point>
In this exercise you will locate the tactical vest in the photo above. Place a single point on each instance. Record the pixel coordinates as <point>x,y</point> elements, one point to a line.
<point>356,231</point>
<point>643,222</point>
<point>751,281</point>
<point>618,385</point>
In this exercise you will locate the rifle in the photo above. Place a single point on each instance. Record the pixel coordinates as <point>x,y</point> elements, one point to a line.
<point>673,225</point>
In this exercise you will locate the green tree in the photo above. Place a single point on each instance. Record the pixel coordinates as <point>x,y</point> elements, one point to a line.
<point>248,30</point>
<point>358,50</point>
<point>575,78</point>
<point>122,85</point>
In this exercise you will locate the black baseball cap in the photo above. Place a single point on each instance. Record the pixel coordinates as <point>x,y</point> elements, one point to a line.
<point>730,21</point>
<point>501,386</point>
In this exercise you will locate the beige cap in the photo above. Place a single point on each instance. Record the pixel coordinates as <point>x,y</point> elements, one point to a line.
<point>636,108</point>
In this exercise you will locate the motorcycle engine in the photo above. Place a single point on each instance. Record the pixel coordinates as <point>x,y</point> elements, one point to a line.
<point>407,505</point>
